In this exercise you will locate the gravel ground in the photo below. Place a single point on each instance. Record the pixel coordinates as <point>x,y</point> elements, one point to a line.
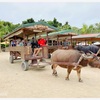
<point>39,83</point>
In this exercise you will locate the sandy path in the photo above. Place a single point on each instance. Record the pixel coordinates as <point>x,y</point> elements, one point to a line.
<point>39,83</point>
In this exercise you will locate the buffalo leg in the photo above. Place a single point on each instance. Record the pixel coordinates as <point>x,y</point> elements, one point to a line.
<point>79,74</point>
<point>54,69</point>
<point>69,69</point>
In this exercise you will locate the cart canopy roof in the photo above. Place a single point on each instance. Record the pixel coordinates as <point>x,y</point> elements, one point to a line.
<point>30,29</point>
<point>62,33</point>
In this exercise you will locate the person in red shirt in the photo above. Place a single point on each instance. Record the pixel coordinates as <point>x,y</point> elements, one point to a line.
<point>37,46</point>
<point>41,41</point>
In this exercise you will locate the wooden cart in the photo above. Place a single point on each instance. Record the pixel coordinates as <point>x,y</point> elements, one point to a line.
<point>25,52</point>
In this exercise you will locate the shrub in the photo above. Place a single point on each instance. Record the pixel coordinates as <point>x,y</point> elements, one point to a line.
<point>4,45</point>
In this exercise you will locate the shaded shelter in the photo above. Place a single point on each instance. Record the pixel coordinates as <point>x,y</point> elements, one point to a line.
<point>62,34</point>
<point>87,38</point>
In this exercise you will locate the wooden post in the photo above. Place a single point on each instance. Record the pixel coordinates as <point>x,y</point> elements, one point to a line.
<point>35,36</point>
<point>57,40</point>
<point>85,42</point>
<point>24,36</point>
<point>45,51</point>
<point>52,43</point>
<point>47,38</point>
<point>71,40</point>
<point>76,42</point>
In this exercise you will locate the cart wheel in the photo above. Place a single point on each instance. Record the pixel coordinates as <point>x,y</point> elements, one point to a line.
<point>11,59</point>
<point>25,65</point>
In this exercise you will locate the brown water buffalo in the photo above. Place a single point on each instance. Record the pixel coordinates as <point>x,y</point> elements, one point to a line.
<point>69,59</point>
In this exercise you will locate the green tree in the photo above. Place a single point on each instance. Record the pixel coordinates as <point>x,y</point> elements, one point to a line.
<point>90,29</point>
<point>30,20</point>
<point>55,23</point>
<point>84,29</point>
<point>75,29</point>
<point>42,20</point>
<point>6,27</point>
<point>97,27</point>
<point>66,26</point>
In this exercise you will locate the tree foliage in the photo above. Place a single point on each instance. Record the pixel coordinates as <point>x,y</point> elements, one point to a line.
<point>7,27</point>
<point>55,23</point>
<point>30,20</point>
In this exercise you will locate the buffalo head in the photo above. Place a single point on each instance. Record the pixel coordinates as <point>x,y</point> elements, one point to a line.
<point>92,59</point>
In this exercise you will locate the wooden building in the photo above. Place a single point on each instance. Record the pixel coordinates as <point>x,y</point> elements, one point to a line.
<point>86,38</point>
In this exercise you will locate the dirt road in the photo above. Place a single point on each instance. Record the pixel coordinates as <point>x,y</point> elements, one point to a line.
<point>39,83</point>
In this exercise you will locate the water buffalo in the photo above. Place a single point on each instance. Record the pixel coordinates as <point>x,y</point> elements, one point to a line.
<point>95,63</point>
<point>94,50</point>
<point>69,59</point>
<point>87,49</point>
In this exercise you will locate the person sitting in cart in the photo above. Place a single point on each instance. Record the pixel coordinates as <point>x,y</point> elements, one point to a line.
<point>21,43</point>
<point>41,41</point>
<point>28,42</point>
<point>35,47</point>
<point>13,43</point>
